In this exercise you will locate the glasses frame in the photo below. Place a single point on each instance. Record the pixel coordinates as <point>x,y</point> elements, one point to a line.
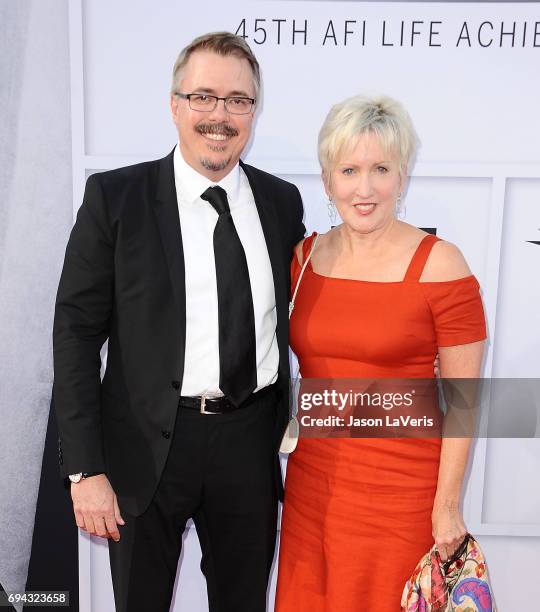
<point>216,99</point>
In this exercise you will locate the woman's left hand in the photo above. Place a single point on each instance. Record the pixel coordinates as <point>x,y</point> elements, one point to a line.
<point>448,528</point>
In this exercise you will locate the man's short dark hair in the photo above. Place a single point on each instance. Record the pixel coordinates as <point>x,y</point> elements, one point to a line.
<point>222,43</point>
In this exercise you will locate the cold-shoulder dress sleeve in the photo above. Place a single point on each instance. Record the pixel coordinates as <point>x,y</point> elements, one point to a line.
<point>458,313</point>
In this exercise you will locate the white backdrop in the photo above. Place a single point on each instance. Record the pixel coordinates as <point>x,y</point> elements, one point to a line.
<point>467,73</point>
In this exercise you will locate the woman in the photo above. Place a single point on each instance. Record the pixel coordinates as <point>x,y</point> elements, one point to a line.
<point>378,299</point>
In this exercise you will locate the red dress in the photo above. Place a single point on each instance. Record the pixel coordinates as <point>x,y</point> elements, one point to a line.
<point>357,513</point>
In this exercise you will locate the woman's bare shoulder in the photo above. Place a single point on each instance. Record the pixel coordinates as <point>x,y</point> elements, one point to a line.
<point>445,263</point>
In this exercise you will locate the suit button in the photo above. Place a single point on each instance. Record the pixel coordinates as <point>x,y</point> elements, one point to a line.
<point>175,384</point>
<point>166,434</point>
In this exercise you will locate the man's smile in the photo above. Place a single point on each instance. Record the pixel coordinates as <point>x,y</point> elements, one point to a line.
<point>216,136</point>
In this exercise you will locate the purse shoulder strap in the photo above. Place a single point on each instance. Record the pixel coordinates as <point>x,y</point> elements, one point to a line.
<point>304,265</point>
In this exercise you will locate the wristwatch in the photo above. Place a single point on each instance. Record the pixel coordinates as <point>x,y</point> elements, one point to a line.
<point>82,475</point>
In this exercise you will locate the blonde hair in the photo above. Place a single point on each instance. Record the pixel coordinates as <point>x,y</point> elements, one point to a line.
<point>382,116</point>
<point>222,43</point>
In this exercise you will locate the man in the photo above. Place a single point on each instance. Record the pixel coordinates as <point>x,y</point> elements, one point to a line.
<point>183,265</point>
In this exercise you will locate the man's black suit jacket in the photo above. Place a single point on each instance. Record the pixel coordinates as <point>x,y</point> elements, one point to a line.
<point>123,280</point>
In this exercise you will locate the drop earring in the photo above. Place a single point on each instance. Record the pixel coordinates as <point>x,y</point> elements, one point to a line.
<point>332,212</point>
<point>400,208</point>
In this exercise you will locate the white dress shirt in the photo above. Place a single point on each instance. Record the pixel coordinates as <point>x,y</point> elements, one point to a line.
<point>197,222</point>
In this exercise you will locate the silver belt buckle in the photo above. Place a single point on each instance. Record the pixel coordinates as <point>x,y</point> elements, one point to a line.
<point>203,405</point>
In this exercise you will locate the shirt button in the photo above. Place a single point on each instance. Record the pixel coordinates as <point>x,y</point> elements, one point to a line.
<point>175,384</point>
<point>166,434</point>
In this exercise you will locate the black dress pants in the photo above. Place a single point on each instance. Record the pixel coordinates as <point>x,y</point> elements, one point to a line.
<point>221,472</point>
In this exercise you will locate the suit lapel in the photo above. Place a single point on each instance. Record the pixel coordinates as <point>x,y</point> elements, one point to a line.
<point>168,221</point>
<point>269,222</point>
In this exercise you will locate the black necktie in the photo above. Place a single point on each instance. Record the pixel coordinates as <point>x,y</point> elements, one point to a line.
<point>237,356</point>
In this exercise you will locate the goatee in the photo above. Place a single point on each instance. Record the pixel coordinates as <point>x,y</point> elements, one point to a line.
<point>215,166</point>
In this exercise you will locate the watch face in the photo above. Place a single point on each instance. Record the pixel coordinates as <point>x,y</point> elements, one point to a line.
<point>75,477</point>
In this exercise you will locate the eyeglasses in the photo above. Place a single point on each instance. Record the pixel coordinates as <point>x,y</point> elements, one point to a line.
<point>205,103</point>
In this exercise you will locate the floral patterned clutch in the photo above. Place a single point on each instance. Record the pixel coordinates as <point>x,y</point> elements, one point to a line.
<point>460,584</point>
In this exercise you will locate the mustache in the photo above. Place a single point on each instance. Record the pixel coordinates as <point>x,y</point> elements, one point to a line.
<point>216,128</point>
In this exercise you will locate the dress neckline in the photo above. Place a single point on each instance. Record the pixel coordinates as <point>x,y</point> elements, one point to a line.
<point>428,238</point>
<point>399,282</point>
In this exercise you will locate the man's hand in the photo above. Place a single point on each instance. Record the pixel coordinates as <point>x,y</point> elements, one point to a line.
<point>96,507</point>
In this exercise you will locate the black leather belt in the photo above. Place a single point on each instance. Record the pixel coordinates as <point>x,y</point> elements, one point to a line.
<point>221,405</point>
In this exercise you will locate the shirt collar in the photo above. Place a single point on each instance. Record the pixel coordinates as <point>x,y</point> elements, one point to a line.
<point>190,184</point>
